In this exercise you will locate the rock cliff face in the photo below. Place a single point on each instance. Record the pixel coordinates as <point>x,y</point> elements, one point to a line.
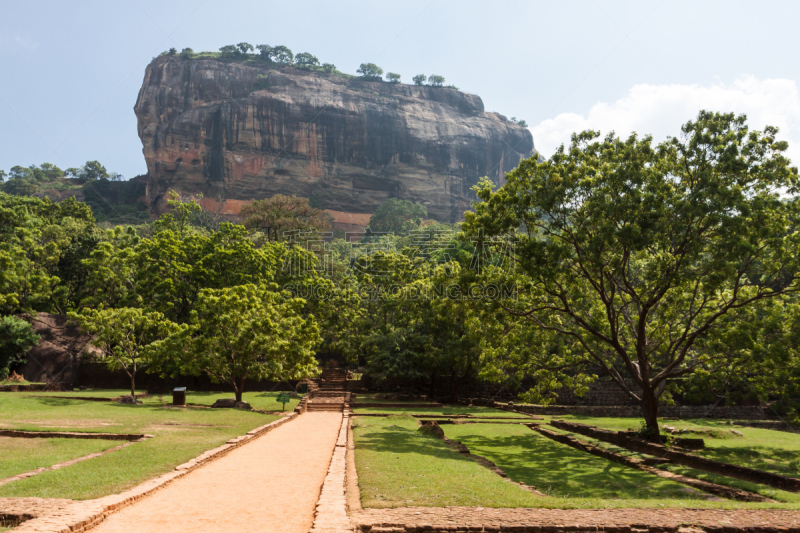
<point>236,132</point>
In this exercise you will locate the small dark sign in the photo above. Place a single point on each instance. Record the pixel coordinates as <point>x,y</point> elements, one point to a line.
<point>283,398</point>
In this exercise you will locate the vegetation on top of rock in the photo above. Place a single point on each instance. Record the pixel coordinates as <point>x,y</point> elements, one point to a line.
<point>519,122</point>
<point>282,55</point>
<point>370,70</point>
<point>434,80</point>
<point>304,59</point>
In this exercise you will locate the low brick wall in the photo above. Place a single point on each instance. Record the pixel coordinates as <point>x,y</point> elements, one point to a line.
<point>401,405</point>
<point>634,411</point>
<point>70,435</point>
<point>621,438</point>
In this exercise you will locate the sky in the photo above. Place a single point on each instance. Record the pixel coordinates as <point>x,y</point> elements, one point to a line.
<point>71,70</point>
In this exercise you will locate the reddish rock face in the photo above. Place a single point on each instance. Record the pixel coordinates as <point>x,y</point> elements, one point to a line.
<point>236,132</point>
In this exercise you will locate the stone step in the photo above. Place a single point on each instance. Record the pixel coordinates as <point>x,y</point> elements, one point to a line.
<point>325,407</point>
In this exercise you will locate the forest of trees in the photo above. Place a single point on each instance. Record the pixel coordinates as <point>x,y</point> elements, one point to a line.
<point>671,268</point>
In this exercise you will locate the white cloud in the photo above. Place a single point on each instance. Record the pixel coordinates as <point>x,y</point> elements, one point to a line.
<point>660,110</point>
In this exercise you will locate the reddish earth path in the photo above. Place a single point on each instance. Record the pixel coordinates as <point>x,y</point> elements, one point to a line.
<point>271,484</point>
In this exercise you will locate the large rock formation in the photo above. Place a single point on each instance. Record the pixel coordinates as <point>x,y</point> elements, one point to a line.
<point>238,131</point>
<point>61,349</point>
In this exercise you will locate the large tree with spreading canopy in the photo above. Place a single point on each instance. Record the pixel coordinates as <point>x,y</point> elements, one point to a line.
<point>636,253</point>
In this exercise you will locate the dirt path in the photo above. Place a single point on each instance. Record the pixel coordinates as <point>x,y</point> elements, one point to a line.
<point>271,484</point>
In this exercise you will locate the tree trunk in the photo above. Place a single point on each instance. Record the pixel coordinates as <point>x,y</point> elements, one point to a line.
<point>650,412</point>
<point>432,390</point>
<point>133,386</point>
<point>239,388</point>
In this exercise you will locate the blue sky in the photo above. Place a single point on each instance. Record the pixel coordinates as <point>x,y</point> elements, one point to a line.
<point>72,70</point>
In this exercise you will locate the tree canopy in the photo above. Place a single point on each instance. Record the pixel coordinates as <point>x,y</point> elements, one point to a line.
<point>636,253</point>
<point>279,214</point>
<point>434,80</point>
<point>370,70</point>
<point>397,216</point>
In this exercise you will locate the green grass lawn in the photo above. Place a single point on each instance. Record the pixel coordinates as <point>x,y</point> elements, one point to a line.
<point>93,393</point>
<point>23,455</point>
<point>444,411</point>
<point>561,471</point>
<point>769,450</point>
<point>400,466</point>
<point>180,434</point>
<point>265,401</point>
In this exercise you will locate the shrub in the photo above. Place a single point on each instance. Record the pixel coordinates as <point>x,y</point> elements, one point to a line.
<point>16,338</point>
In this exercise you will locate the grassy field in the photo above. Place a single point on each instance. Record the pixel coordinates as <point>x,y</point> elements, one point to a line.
<point>265,401</point>
<point>23,455</point>
<point>558,470</point>
<point>763,449</point>
<point>444,411</point>
<point>180,434</point>
<point>400,466</point>
<point>387,448</point>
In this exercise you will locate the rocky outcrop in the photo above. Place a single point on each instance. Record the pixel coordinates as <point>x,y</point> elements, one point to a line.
<point>239,131</point>
<point>62,347</point>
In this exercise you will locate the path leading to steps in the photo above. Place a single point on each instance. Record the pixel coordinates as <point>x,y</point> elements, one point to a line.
<point>271,484</point>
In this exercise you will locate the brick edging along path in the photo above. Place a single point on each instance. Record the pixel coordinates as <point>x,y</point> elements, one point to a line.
<point>474,519</point>
<point>83,515</point>
<point>331,512</point>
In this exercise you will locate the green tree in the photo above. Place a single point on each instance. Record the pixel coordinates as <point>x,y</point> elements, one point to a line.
<point>21,187</point>
<point>397,216</point>
<point>172,51</point>
<point>328,67</point>
<point>126,336</point>
<point>16,338</point>
<point>519,122</point>
<point>264,51</point>
<point>392,77</point>
<point>281,54</point>
<point>187,52</point>
<point>3,176</point>
<point>21,173</point>
<point>636,252</point>
<point>35,235</point>
<point>434,80</point>
<point>92,171</point>
<point>304,59</point>
<point>244,48</point>
<point>279,214</point>
<point>229,51</point>
<point>419,79</point>
<point>370,70</point>
<point>245,332</point>
<point>761,361</point>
